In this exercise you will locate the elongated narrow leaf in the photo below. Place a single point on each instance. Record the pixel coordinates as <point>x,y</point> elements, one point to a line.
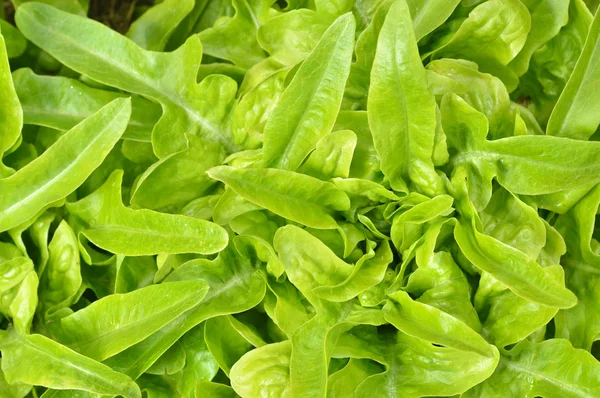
<point>63,167</point>
<point>61,279</point>
<point>298,197</point>
<point>527,164</point>
<point>11,115</point>
<point>13,39</point>
<point>152,30</point>
<point>310,264</point>
<point>110,225</point>
<point>234,287</point>
<point>89,48</point>
<point>401,110</point>
<point>577,113</point>
<point>512,267</point>
<point>308,107</point>
<point>427,15</point>
<point>427,322</point>
<point>60,103</point>
<point>56,366</point>
<point>108,326</point>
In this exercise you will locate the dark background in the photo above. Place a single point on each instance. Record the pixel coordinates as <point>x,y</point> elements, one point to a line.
<point>118,14</point>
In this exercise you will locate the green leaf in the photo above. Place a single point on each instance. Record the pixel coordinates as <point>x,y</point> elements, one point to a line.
<point>310,264</point>
<point>234,286</point>
<point>506,317</point>
<point>64,166</point>
<point>428,15</point>
<point>344,382</point>
<point>61,279</point>
<point>71,6</point>
<point>308,107</point>
<point>11,115</point>
<point>357,87</point>
<point>172,361</point>
<point>429,323</point>
<point>492,36</point>
<point>192,182</point>
<point>13,390</point>
<point>551,368</point>
<point>576,112</point>
<point>263,372</point>
<point>199,363</point>
<point>110,225</point>
<point>58,367</point>
<point>581,324</point>
<point>39,232</point>
<point>401,110</point>
<point>551,65</point>
<point>407,226</point>
<point>332,157</point>
<point>216,390</point>
<point>14,40</point>
<point>285,306</point>
<point>296,196</point>
<point>152,30</point>
<point>517,270</point>
<point>484,92</point>
<point>226,345</point>
<point>515,162</point>
<point>414,367</point>
<point>134,273</point>
<point>61,103</point>
<point>291,36</point>
<point>18,291</point>
<point>235,39</point>
<point>230,206</point>
<point>366,273</point>
<point>514,223</point>
<point>547,18</point>
<point>438,281</point>
<point>365,163</point>
<point>185,28</point>
<point>106,327</point>
<point>13,271</point>
<point>74,41</point>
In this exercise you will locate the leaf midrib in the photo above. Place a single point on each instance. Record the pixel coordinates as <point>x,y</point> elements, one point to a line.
<point>94,376</point>
<point>212,293</point>
<point>31,196</point>
<point>294,137</point>
<point>167,310</point>
<point>33,110</point>
<point>284,196</point>
<point>537,375</point>
<point>166,97</point>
